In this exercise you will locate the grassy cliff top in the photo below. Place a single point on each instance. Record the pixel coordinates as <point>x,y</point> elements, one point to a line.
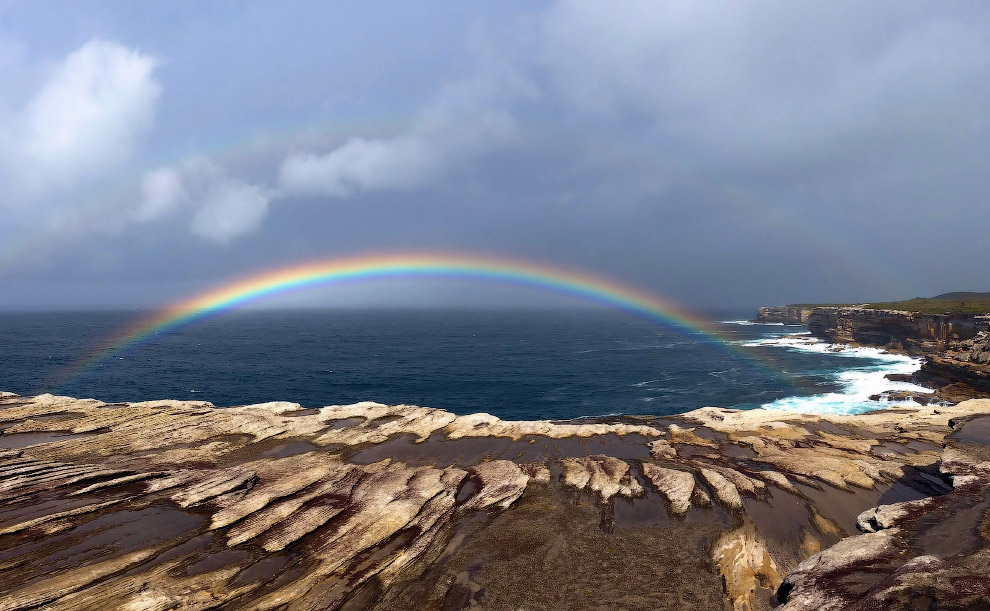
<point>956,303</point>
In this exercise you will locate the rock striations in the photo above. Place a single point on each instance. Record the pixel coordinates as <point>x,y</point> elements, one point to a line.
<point>183,505</point>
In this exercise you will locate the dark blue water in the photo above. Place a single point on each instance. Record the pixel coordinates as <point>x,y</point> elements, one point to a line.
<point>514,364</point>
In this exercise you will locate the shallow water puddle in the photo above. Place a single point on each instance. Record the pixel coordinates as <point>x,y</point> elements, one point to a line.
<point>14,441</point>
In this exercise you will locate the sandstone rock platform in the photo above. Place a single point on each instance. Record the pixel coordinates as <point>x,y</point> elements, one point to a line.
<point>184,505</point>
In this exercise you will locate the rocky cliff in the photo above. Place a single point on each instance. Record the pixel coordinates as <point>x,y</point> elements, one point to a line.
<point>961,371</point>
<point>789,315</point>
<point>912,331</point>
<point>956,347</point>
<point>183,505</point>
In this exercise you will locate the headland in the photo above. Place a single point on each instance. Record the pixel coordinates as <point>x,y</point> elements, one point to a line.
<point>950,331</point>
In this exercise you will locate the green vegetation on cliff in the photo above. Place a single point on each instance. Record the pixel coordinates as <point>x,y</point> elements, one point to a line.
<point>954,303</point>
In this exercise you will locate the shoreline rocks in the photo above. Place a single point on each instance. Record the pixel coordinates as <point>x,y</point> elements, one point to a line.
<point>929,553</point>
<point>184,505</point>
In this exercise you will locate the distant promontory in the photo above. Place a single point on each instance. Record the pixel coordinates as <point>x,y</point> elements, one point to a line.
<point>951,331</point>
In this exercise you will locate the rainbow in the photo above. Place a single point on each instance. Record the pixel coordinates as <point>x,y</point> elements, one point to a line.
<point>251,289</point>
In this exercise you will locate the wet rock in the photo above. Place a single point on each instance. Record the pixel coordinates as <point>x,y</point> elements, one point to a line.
<point>423,422</point>
<point>502,482</point>
<point>801,589</point>
<point>778,479</point>
<point>120,481</point>
<point>928,553</point>
<point>700,498</point>
<point>283,483</point>
<point>725,491</point>
<point>741,482</point>
<point>888,516</point>
<point>273,407</point>
<point>48,590</point>
<point>745,563</point>
<point>213,486</point>
<point>677,486</point>
<point>606,475</point>
<point>286,522</point>
<point>538,472</point>
<point>687,436</point>
<point>906,396</point>
<point>661,448</point>
<point>54,517</point>
<point>235,524</point>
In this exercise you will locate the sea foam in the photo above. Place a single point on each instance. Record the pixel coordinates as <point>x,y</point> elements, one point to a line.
<point>750,323</point>
<point>857,383</point>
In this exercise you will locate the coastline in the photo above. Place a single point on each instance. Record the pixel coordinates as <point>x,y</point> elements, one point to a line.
<point>177,504</point>
<point>879,377</point>
<point>954,348</point>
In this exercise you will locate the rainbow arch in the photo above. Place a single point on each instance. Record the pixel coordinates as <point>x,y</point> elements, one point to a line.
<point>574,283</point>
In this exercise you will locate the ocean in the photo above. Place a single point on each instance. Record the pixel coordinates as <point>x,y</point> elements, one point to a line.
<point>515,364</point>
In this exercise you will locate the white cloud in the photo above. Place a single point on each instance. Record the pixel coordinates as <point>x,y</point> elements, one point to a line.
<point>465,120</point>
<point>223,207</point>
<point>162,192</point>
<point>362,164</point>
<point>231,209</point>
<point>86,119</point>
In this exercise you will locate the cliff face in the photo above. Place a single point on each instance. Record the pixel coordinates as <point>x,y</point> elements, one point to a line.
<point>789,315</point>
<point>913,331</point>
<point>956,347</point>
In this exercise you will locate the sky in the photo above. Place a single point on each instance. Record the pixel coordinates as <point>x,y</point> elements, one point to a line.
<point>717,154</point>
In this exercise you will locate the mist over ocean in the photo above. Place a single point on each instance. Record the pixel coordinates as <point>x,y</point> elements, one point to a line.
<point>515,364</point>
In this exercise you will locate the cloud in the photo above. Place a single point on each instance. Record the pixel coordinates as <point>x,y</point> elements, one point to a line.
<point>773,85</point>
<point>231,209</point>
<point>727,87</point>
<point>162,192</point>
<point>690,146</point>
<point>223,207</point>
<point>465,120</point>
<point>86,119</point>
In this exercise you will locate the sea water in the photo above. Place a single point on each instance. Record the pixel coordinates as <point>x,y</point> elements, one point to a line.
<point>515,364</point>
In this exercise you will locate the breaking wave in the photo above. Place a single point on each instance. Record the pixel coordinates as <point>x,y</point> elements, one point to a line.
<point>857,383</point>
<point>750,323</point>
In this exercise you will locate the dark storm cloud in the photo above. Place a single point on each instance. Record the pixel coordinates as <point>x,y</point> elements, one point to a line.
<point>719,153</point>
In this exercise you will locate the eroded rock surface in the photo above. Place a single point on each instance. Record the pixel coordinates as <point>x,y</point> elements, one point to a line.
<point>927,554</point>
<point>605,475</point>
<point>677,486</point>
<point>183,505</point>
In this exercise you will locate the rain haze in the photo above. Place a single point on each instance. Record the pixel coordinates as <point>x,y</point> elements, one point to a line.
<point>717,154</point>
